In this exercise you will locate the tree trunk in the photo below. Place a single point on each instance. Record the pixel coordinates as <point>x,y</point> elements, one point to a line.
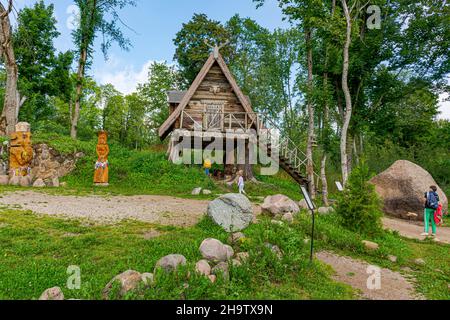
<point>10,111</point>
<point>325,125</point>
<point>346,90</point>
<point>311,136</point>
<point>79,90</point>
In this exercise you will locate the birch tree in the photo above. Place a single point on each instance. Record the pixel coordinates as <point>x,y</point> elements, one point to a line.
<point>11,103</point>
<point>95,17</point>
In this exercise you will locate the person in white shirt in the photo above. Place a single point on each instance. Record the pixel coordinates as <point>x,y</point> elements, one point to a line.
<point>241,182</point>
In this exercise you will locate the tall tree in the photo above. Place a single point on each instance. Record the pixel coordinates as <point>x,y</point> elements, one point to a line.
<point>192,47</point>
<point>42,72</point>
<point>161,78</point>
<point>11,103</point>
<point>93,21</point>
<point>347,94</point>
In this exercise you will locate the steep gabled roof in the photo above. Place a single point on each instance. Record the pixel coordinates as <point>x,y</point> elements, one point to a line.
<point>214,57</point>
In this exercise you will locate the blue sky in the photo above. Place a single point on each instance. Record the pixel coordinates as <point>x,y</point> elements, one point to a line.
<point>155,23</point>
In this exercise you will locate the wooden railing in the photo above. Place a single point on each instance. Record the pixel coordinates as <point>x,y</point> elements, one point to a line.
<point>269,133</point>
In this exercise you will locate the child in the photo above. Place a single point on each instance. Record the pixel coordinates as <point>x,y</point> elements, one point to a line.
<point>431,205</point>
<point>207,166</point>
<point>241,182</point>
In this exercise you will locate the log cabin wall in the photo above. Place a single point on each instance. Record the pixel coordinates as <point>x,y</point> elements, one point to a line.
<point>215,90</point>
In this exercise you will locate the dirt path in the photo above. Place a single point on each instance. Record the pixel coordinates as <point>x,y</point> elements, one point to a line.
<point>412,230</point>
<point>355,273</point>
<point>108,210</point>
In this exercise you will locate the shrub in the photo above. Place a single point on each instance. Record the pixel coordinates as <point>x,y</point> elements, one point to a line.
<point>359,207</point>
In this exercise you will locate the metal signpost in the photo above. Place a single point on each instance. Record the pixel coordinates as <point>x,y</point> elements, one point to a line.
<point>311,207</point>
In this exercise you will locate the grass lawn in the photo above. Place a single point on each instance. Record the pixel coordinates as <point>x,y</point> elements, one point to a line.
<point>36,252</point>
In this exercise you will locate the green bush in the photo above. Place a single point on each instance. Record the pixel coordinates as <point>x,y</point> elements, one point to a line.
<point>359,207</point>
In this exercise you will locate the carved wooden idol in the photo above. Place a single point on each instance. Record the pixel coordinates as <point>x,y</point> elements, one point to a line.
<point>20,151</point>
<point>101,176</point>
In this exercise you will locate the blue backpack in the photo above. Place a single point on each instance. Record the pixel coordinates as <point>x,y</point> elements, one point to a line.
<point>432,200</point>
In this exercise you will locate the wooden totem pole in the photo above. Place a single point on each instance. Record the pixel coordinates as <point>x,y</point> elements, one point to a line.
<point>101,176</point>
<point>20,151</point>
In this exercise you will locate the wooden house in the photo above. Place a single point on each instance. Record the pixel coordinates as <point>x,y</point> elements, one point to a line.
<point>213,106</point>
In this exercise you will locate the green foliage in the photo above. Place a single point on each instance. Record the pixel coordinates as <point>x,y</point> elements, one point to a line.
<point>191,49</point>
<point>153,94</point>
<point>100,17</point>
<point>44,74</point>
<point>359,207</point>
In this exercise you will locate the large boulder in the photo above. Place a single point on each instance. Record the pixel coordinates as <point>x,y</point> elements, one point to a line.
<point>402,188</point>
<point>279,205</point>
<point>233,212</point>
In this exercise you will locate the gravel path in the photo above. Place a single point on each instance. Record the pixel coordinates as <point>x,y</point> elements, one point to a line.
<point>109,210</point>
<point>355,273</point>
<point>412,230</point>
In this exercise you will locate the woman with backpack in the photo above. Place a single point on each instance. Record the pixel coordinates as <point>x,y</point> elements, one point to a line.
<point>431,205</point>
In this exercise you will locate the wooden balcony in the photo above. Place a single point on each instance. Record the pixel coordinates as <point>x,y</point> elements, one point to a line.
<point>219,121</point>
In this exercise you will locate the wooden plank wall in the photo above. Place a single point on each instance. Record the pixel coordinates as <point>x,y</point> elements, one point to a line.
<point>215,77</point>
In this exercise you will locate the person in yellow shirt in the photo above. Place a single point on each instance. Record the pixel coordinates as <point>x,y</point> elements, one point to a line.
<point>207,166</point>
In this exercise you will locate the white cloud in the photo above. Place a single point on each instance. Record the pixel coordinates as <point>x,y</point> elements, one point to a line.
<point>124,77</point>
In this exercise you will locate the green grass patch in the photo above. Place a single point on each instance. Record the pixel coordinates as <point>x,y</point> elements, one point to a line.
<point>36,252</point>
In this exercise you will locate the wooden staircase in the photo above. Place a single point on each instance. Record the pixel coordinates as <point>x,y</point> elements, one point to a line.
<point>282,149</point>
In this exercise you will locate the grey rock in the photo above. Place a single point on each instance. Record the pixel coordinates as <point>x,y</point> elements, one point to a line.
<point>230,252</point>
<point>212,278</point>
<point>15,181</point>
<point>25,181</point>
<point>233,212</point>
<point>369,245</point>
<point>202,267</point>
<point>214,250</point>
<point>392,258</point>
<point>128,282</point>
<point>275,249</point>
<point>222,269</point>
<point>171,262</point>
<point>207,192</point>
<point>279,204</point>
<point>196,191</point>
<point>420,262</point>
<point>236,263</point>
<point>288,217</point>
<point>55,182</point>
<point>148,279</point>
<point>402,188</point>
<point>325,210</point>
<point>236,237</point>
<point>39,183</point>
<point>4,180</point>
<point>303,205</point>
<point>54,294</point>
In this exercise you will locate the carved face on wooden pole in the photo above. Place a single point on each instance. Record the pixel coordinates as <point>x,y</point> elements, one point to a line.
<point>101,176</point>
<point>20,151</point>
